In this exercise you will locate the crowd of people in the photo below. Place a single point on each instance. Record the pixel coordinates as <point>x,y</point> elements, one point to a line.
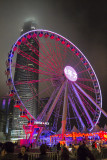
<point>63,152</point>
<point>7,152</point>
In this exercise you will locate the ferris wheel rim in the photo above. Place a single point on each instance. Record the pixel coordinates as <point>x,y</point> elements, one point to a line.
<point>42,30</point>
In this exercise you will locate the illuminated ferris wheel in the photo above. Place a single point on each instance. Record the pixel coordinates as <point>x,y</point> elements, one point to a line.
<point>64,79</point>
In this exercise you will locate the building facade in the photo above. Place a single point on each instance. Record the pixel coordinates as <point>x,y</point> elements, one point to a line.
<point>24,91</point>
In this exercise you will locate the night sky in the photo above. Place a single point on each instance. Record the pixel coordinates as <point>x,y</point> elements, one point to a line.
<point>82,22</point>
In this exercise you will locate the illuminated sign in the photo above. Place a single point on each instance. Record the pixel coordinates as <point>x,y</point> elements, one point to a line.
<point>70,73</point>
<point>39,122</point>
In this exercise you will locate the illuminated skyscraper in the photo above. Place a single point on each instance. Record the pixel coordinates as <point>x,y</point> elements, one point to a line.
<point>24,90</point>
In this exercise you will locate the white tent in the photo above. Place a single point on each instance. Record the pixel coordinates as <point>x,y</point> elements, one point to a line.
<point>84,130</point>
<point>105,128</point>
<point>96,129</point>
<point>102,129</point>
<point>60,131</point>
<point>74,129</point>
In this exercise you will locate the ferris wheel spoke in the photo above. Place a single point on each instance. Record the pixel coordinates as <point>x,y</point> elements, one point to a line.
<point>46,52</point>
<point>77,104</point>
<point>82,105</point>
<point>83,71</point>
<point>32,81</point>
<point>57,55</point>
<point>43,58</point>
<point>30,69</point>
<point>54,103</point>
<point>37,95</point>
<point>46,57</point>
<point>52,108</point>
<point>39,54</point>
<point>76,111</point>
<point>86,87</point>
<point>32,59</point>
<point>64,53</point>
<point>97,106</point>
<point>77,64</point>
<point>88,106</point>
<point>49,53</point>
<point>58,52</point>
<point>42,114</point>
<point>85,79</point>
<point>53,54</point>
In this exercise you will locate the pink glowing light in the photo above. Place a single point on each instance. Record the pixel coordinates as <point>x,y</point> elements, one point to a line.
<point>70,73</point>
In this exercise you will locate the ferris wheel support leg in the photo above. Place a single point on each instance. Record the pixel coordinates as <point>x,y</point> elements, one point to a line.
<point>83,106</point>
<point>64,116</point>
<point>105,114</point>
<point>39,133</point>
<point>52,108</point>
<point>55,102</point>
<point>47,105</point>
<point>77,113</point>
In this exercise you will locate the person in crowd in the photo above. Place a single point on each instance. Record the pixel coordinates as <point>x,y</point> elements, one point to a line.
<point>43,155</point>
<point>83,153</point>
<point>58,147</point>
<point>31,145</point>
<point>73,150</point>
<point>65,154</point>
<point>23,155</point>
<point>70,147</point>
<point>7,152</point>
<point>54,149</point>
<point>95,151</point>
<point>80,143</point>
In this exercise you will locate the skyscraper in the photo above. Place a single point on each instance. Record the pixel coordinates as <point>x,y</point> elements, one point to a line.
<point>24,91</point>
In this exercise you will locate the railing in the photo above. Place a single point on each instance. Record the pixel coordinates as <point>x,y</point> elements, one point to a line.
<point>52,155</point>
<point>104,153</point>
<point>55,155</point>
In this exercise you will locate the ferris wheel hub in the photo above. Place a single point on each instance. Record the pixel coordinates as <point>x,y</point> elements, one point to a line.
<point>70,73</point>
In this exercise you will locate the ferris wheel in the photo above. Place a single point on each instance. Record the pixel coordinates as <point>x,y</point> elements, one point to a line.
<point>56,78</point>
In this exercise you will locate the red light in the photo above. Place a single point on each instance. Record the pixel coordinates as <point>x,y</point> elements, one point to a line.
<point>23,116</point>
<point>77,54</point>
<point>58,39</point>
<point>23,39</point>
<point>85,63</point>
<point>81,58</point>
<point>28,36</point>
<point>40,34</point>
<point>63,42</point>
<point>72,49</point>
<point>11,94</point>
<point>52,36</point>
<point>34,35</point>
<point>92,74</point>
<point>17,106</point>
<point>14,49</point>
<point>19,42</point>
<point>68,45</point>
<point>46,35</point>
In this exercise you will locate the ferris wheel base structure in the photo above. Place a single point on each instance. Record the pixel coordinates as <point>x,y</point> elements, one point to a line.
<point>64,75</point>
